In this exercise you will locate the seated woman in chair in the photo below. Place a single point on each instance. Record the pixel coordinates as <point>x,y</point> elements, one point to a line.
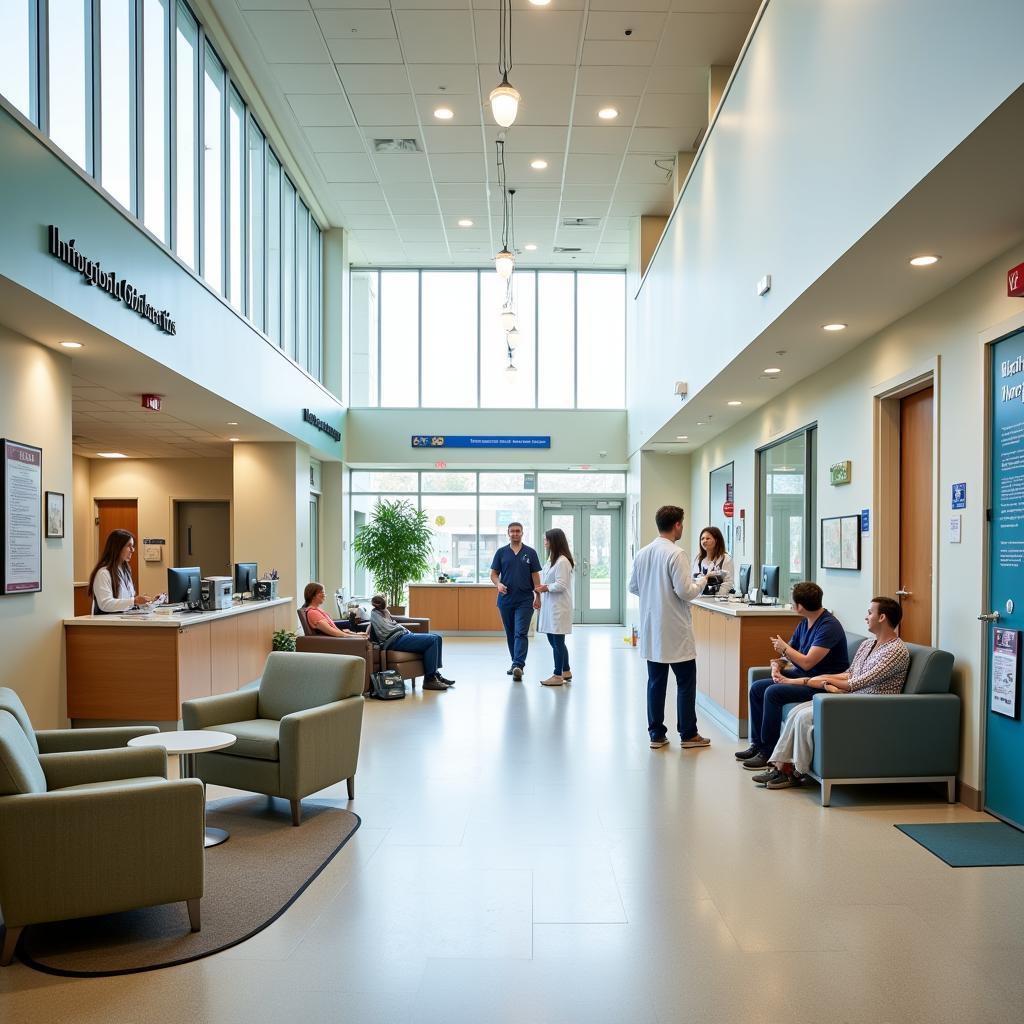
<point>317,619</point>
<point>392,635</point>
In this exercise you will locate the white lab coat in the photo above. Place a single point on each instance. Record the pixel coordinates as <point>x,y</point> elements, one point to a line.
<point>556,605</point>
<point>103,593</point>
<point>702,564</point>
<point>661,579</point>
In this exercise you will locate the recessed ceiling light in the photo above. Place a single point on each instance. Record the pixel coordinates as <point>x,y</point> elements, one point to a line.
<point>540,3</point>
<point>111,455</point>
<point>735,403</point>
<point>538,164</point>
<point>232,423</point>
<point>465,223</point>
<point>773,369</point>
<point>682,437</point>
<point>924,261</point>
<point>234,439</point>
<point>444,113</point>
<point>530,247</point>
<point>834,327</point>
<point>607,113</point>
<point>70,344</point>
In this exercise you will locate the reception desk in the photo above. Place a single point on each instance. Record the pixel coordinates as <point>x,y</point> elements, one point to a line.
<point>456,607</point>
<point>732,638</point>
<point>131,668</point>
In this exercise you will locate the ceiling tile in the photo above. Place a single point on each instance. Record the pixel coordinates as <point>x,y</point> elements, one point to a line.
<point>362,208</point>
<point>588,193</point>
<point>273,5</point>
<point>705,38</point>
<point>337,5</point>
<point>465,107</point>
<point>614,81</point>
<point>402,167</point>
<point>679,79</point>
<point>637,5</point>
<point>388,238</point>
<point>520,173</point>
<point>364,192</point>
<point>667,110</point>
<point>287,37</point>
<point>627,193</point>
<point>436,37</point>
<point>392,109</point>
<point>360,24</point>
<point>320,111</point>
<point>365,51</point>
<point>436,236</point>
<point>373,79</point>
<point>404,187</point>
<point>453,139</point>
<point>528,138</point>
<point>640,170</point>
<point>598,140</point>
<point>470,192</point>
<point>660,140</point>
<point>585,112</point>
<point>360,222</point>
<point>335,140</point>
<point>613,26</point>
<point>411,222</point>
<point>457,166</point>
<point>456,79</point>
<point>541,37</point>
<point>627,53</point>
<point>748,7</point>
<point>426,250</point>
<point>307,78</point>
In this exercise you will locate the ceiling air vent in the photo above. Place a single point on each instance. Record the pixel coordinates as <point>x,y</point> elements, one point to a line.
<point>580,222</point>
<point>396,146</point>
<point>567,248</point>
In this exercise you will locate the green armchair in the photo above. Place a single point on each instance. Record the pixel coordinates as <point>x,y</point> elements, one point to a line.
<point>296,734</point>
<point>91,832</point>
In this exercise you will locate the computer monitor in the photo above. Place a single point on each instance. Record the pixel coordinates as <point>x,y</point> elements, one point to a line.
<point>183,585</point>
<point>245,576</point>
<point>743,580</point>
<point>769,581</point>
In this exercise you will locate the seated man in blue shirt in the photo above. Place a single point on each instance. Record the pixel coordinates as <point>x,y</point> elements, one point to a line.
<point>817,648</point>
<point>515,571</point>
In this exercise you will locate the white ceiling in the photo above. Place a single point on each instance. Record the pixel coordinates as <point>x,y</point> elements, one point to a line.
<point>337,74</point>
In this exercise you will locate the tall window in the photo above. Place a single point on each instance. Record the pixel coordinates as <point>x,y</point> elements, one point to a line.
<point>70,81</point>
<point>257,236</point>
<point>186,152</point>
<point>500,386</point>
<point>18,55</point>
<point>236,184</point>
<point>288,266</point>
<point>302,282</point>
<point>786,486</point>
<point>600,343</point>
<point>117,99</point>
<point>449,333</point>
<point>556,333</point>
<point>363,334</point>
<point>399,338</point>
<point>273,247</point>
<point>156,114</point>
<point>213,170</point>
<point>316,341</point>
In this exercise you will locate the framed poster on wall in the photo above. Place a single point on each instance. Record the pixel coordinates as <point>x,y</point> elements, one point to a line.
<point>840,542</point>
<point>21,494</point>
<point>1005,669</point>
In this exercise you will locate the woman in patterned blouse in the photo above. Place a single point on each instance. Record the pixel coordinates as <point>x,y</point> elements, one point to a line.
<point>879,666</point>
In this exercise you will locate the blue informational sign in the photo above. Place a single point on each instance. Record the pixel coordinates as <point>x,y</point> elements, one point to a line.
<point>865,520</point>
<point>959,495</point>
<point>478,441</point>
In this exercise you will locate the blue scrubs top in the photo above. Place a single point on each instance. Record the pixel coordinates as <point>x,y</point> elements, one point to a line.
<point>828,632</point>
<point>516,572</point>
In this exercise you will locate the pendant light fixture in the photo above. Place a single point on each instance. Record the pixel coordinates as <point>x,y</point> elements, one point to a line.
<point>505,261</point>
<point>508,310</point>
<point>505,96</point>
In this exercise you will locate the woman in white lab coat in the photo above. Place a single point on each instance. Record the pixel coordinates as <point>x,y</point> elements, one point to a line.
<point>714,561</point>
<point>110,583</point>
<point>555,595</point>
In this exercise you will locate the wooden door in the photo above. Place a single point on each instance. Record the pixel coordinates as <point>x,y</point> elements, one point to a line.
<point>120,514</point>
<point>203,536</point>
<point>917,516</point>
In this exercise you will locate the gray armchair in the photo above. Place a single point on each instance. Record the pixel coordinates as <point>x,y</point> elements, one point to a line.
<point>91,832</point>
<point>296,733</point>
<point>913,736</point>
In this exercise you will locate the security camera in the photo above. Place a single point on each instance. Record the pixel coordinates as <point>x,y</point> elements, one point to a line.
<point>681,388</point>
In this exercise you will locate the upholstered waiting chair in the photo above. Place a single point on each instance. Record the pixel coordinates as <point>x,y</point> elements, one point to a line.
<point>297,733</point>
<point>91,832</point>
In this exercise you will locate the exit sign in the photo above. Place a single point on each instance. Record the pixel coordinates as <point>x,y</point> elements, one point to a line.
<point>151,402</point>
<point>840,473</point>
<point>1015,282</point>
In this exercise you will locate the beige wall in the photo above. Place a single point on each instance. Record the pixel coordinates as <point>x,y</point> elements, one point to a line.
<point>82,510</point>
<point>35,408</point>
<point>157,484</point>
<point>943,332</point>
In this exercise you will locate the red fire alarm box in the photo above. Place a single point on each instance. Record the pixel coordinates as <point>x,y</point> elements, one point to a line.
<point>1015,282</point>
<point>151,402</point>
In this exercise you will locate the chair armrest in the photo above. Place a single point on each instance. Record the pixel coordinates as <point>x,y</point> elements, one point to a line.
<point>760,672</point>
<point>354,646</point>
<point>886,735</point>
<point>414,625</point>
<point>57,741</point>
<point>80,767</point>
<point>320,746</point>
<point>204,712</point>
<point>75,854</point>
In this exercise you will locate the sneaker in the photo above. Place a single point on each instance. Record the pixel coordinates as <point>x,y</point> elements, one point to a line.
<point>756,763</point>
<point>767,776</point>
<point>434,683</point>
<point>695,741</point>
<point>742,755</point>
<point>567,675</point>
<point>660,742</point>
<point>552,681</point>
<point>445,680</point>
<point>784,780</point>
<point>517,673</point>
<point>510,670</point>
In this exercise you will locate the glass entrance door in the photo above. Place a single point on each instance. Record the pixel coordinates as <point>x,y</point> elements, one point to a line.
<point>594,532</point>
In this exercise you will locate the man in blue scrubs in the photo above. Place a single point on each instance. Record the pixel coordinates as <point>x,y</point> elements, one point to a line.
<point>515,571</point>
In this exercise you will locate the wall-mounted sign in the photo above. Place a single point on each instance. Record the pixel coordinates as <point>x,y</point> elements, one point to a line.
<point>727,509</point>
<point>840,473</point>
<point>108,281</point>
<point>959,495</point>
<point>322,425</point>
<point>154,540</point>
<point>865,520</point>
<point>22,513</point>
<point>1005,669</point>
<point>1015,282</point>
<point>840,542</point>
<point>477,441</point>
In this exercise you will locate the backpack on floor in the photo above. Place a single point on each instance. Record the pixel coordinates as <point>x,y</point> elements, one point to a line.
<point>386,684</point>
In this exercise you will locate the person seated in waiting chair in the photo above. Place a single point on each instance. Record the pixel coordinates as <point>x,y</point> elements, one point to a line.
<point>391,635</point>
<point>879,666</point>
<point>818,642</point>
<point>313,597</point>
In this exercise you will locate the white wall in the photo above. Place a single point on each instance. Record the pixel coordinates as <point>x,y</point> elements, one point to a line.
<point>35,408</point>
<point>840,400</point>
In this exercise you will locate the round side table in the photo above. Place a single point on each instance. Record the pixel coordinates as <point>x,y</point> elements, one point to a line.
<point>186,743</point>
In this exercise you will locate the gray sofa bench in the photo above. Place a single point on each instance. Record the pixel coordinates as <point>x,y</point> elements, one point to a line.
<point>913,736</point>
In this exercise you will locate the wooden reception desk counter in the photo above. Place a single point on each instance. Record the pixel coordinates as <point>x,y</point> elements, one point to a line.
<point>135,668</point>
<point>732,638</point>
<point>456,607</point>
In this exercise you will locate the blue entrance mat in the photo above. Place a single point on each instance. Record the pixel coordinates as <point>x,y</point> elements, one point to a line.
<point>971,844</point>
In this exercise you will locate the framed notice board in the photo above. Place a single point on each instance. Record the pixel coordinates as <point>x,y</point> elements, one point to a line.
<point>21,518</point>
<point>840,542</point>
<point>1004,667</point>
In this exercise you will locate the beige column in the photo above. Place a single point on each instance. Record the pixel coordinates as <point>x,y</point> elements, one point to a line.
<point>332,529</point>
<point>335,321</point>
<point>717,79</point>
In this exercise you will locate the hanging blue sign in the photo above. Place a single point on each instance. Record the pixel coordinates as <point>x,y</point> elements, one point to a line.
<point>959,495</point>
<point>478,441</point>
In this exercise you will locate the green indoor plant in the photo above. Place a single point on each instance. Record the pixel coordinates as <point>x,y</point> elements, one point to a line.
<point>284,640</point>
<point>395,546</point>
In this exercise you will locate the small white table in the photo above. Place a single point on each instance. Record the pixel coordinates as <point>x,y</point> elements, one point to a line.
<point>186,743</point>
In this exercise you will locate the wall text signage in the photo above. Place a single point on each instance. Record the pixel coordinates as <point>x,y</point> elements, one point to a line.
<point>108,281</point>
<point>478,441</point>
<point>322,425</point>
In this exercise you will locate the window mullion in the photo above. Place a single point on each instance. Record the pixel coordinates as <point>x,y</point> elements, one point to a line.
<point>94,81</point>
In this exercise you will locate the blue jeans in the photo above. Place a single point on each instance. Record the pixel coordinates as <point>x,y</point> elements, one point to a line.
<point>686,698</point>
<point>427,644</point>
<point>516,620</point>
<point>767,699</point>
<point>561,653</point>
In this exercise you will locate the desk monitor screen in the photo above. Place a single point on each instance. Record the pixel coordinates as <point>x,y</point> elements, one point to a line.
<point>183,585</point>
<point>245,576</point>
<point>769,581</point>
<point>743,580</point>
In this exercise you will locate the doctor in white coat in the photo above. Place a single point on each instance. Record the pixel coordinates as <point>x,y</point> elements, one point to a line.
<point>555,593</point>
<point>661,579</point>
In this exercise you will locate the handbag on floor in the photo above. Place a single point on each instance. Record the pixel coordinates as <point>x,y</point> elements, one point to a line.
<point>386,684</point>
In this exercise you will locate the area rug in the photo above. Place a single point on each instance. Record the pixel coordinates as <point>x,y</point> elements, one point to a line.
<point>971,844</point>
<point>250,881</point>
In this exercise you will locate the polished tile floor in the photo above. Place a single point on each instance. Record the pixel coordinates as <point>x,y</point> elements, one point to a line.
<point>525,857</point>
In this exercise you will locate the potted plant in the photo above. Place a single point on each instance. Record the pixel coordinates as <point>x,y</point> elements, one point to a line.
<point>284,640</point>
<point>395,546</point>
<point>272,579</point>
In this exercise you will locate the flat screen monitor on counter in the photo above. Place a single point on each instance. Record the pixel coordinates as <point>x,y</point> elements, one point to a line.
<point>769,581</point>
<point>183,585</point>
<point>743,580</point>
<point>246,575</point>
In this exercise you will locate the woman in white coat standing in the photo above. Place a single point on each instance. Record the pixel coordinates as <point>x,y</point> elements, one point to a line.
<point>555,592</point>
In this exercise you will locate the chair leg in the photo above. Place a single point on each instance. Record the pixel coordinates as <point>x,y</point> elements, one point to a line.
<point>296,812</point>
<point>951,789</point>
<point>11,936</point>
<point>193,914</point>
<point>826,793</point>
<point>351,783</point>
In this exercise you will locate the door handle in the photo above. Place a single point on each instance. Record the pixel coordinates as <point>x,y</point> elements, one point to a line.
<point>904,593</point>
<point>989,617</point>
